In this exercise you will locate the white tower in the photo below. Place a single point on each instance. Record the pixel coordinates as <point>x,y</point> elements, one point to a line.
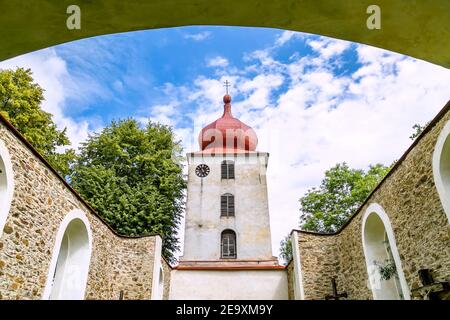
<point>227,215</point>
<point>227,243</point>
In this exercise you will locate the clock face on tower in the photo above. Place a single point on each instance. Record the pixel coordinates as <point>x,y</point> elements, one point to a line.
<point>202,170</point>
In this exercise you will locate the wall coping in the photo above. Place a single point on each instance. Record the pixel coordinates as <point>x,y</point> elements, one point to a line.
<point>427,129</point>
<point>228,268</point>
<point>167,262</point>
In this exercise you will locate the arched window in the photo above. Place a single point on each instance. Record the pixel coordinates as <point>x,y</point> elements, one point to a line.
<point>227,169</point>
<point>228,244</point>
<point>384,268</point>
<point>6,184</point>
<point>227,205</point>
<point>441,168</point>
<point>68,272</point>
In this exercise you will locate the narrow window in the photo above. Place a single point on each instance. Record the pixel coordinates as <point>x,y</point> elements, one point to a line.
<point>227,169</point>
<point>228,244</point>
<point>227,205</point>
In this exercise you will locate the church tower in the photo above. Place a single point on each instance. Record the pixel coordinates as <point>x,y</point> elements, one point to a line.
<point>227,215</point>
<point>227,243</point>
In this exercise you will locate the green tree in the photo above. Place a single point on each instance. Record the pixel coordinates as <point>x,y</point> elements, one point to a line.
<point>286,249</point>
<point>341,192</point>
<point>132,176</point>
<point>20,103</point>
<point>418,129</point>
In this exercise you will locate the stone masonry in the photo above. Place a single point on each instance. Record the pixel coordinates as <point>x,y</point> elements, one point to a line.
<point>40,202</point>
<point>167,270</point>
<point>409,197</point>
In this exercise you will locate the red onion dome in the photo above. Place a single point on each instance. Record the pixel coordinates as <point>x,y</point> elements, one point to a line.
<point>227,134</point>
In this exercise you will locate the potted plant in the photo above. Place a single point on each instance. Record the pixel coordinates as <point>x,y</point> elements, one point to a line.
<point>387,269</point>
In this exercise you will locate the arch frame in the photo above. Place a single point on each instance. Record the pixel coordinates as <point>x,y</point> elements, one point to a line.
<point>157,266</point>
<point>161,283</point>
<point>6,158</point>
<point>377,209</point>
<point>71,216</point>
<point>444,196</point>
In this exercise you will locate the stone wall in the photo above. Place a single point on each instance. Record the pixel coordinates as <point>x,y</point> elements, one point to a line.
<point>40,202</point>
<point>167,270</point>
<point>120,264</point>
<point>290,279</point>
<point>421,228</point>
<point>319,264</point>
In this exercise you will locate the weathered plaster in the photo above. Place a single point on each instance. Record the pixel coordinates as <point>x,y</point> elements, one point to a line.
<point>229,284</point>
<point>204,223</point>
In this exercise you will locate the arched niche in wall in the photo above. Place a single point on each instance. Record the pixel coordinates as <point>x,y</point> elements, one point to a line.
<point>441,168</point>
<point>382,257</point>
<point>69,266</point>
<point>6,184</point>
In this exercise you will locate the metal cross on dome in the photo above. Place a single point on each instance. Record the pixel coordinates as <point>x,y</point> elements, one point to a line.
<point>226,85</point>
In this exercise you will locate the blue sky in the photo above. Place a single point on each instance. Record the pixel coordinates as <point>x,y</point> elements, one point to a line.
<point>133,68</point>
<point>313,101</point>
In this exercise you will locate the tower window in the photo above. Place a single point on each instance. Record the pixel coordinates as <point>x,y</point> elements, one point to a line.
<point>227,205</point>
<point>227,169</point>
<point>228,244</point>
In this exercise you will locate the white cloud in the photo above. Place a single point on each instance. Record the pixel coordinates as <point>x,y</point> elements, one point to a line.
<point>198,36</point>
<point>364,118</point>
<point>258,91</point>
<point>286,36</point>
<point>217,62</point>
<point>327,47</point>
<point>165,114</point>
<point>50,72</point>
